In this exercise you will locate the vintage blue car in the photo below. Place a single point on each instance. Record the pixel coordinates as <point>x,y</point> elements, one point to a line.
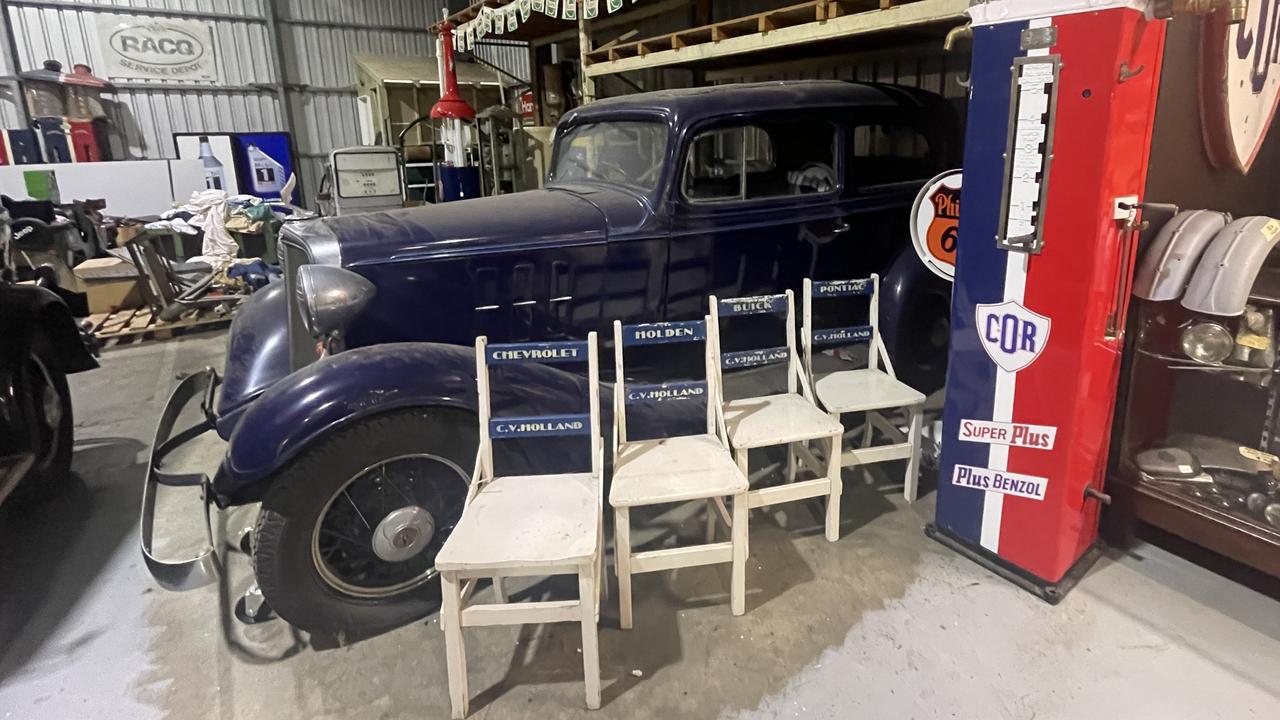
<point>348,399</point>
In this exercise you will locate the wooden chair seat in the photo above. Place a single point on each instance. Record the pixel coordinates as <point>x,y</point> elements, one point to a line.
<point>670,470</point>
<point>546,521</point>
<point>776,420</point>
<point>849,391</point>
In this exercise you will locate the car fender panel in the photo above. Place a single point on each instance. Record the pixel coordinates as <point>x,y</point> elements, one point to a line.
<point>1167,264</point>
<point>359,383</point>
<point>257,352</point>
<point>1228,268</point>
<point>26,310</point>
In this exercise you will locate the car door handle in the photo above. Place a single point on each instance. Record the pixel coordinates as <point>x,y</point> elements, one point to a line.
<point>840,228</point>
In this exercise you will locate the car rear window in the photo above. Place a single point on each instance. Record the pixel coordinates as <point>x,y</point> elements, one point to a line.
<point>761,160</point>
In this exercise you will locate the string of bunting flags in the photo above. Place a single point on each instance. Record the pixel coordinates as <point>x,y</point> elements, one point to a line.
<point>509,18</point>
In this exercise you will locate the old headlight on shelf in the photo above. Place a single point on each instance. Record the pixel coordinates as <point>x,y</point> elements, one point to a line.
<point>330,298</point>
<point>1207,342</point>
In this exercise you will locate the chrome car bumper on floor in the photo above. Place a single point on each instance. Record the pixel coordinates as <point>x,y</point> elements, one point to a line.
<point>203,568</point>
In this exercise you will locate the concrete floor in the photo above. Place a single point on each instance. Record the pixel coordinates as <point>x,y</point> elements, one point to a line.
<point>884,624</point>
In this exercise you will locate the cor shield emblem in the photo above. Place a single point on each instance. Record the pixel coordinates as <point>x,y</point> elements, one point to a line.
<point>1011,334</point>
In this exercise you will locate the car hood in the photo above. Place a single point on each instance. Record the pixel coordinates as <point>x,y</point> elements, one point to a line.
<point>569,214</point>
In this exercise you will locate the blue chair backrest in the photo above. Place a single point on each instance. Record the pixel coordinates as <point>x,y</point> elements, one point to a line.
<point>665,333</point>
<point>492,428</point>
<point>815,338</point>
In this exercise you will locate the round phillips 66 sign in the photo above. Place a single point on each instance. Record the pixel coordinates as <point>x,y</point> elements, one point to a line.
<point>935,223</point>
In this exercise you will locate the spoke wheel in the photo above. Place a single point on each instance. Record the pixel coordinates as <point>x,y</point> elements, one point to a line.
<point>380,533</point>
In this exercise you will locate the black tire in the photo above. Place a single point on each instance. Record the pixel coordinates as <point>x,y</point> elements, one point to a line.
<point>43,380</point>
<point>287,533</point>
<point>920,345</point>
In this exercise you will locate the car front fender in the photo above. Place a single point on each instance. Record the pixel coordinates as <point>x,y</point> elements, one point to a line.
<point>344,388</point>
<point>28,310</point>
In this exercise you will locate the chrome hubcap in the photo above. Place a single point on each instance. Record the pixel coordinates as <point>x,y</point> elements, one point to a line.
<point>403,533</point>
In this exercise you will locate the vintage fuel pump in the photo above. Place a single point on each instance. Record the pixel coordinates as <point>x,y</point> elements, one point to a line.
<point>1063,96</point>
<point>456,178</point>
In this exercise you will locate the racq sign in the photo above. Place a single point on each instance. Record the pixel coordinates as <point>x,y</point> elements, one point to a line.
<point>1240,86</point>
<point>158,49</point>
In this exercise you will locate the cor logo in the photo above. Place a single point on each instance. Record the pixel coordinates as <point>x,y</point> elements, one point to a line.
<point>1011,334</point>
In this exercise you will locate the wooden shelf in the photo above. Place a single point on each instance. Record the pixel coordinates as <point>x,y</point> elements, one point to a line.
<point>813,21</point>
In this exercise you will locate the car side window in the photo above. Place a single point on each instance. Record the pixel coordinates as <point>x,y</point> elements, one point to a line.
<point>887,153</point>
<point>761,160</point>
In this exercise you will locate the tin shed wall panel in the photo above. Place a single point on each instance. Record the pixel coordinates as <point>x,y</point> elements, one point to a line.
<point>144,119</point>
<point>316,40</point>
<point>319,41</point>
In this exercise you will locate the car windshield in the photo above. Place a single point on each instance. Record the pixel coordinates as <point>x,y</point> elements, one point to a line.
<point>622,153</point>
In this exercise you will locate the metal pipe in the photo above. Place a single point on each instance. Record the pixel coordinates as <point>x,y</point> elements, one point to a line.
<point>1236,10</point>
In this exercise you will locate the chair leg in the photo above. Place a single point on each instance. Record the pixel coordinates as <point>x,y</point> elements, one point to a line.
<point>455,651</point>
<point>738,578</point>
<point>590,634</point>
<point>791,464</point>
<point>499,590</point>
<point>837,489</point>
<point>740,455</point>
<point>866,443</point>
<point>602,579</point>
<point>622,563</point>
<point>913,464</point>
<point>711,521</point>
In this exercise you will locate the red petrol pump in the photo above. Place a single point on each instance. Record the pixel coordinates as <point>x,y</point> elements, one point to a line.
<point>1062,105</point>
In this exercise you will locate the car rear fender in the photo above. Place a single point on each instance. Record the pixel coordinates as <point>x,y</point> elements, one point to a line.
<point>902,287</point>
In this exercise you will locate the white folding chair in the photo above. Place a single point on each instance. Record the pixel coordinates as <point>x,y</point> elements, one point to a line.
<point>531,525</point>
<point>870,390</point>
<point>791,418</point>
<point>674,469</point>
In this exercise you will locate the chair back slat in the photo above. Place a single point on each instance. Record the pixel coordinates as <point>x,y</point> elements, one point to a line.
<point>537,426</point>
<point>662,333</point>
<point>843,288</point>
<point>573,351</point>
<point>755,305</point>
<point>755,358</point>
<point>540,426</point>
<point>665,392</point>
<point>852,335</point>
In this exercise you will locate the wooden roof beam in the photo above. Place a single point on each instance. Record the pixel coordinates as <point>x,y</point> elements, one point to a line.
<point>688,46</point>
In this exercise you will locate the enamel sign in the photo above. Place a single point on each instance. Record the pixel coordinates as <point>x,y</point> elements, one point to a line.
<point>1011,334</point>
<point>158,49</point>
<point>935,223</point>
<point>1241,84</point>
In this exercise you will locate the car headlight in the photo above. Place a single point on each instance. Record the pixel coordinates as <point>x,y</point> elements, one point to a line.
<point>1207,342</point>
<point>330,298</point>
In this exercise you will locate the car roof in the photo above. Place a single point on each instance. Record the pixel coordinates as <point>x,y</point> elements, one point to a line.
<point>692,104</point>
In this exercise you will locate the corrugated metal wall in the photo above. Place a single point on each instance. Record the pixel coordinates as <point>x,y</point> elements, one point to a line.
<point>313,39</point>
<point>145,114</point>
<point>318,39</point>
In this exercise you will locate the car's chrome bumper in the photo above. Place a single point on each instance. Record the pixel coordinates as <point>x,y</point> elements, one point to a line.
<point>203,568</point>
